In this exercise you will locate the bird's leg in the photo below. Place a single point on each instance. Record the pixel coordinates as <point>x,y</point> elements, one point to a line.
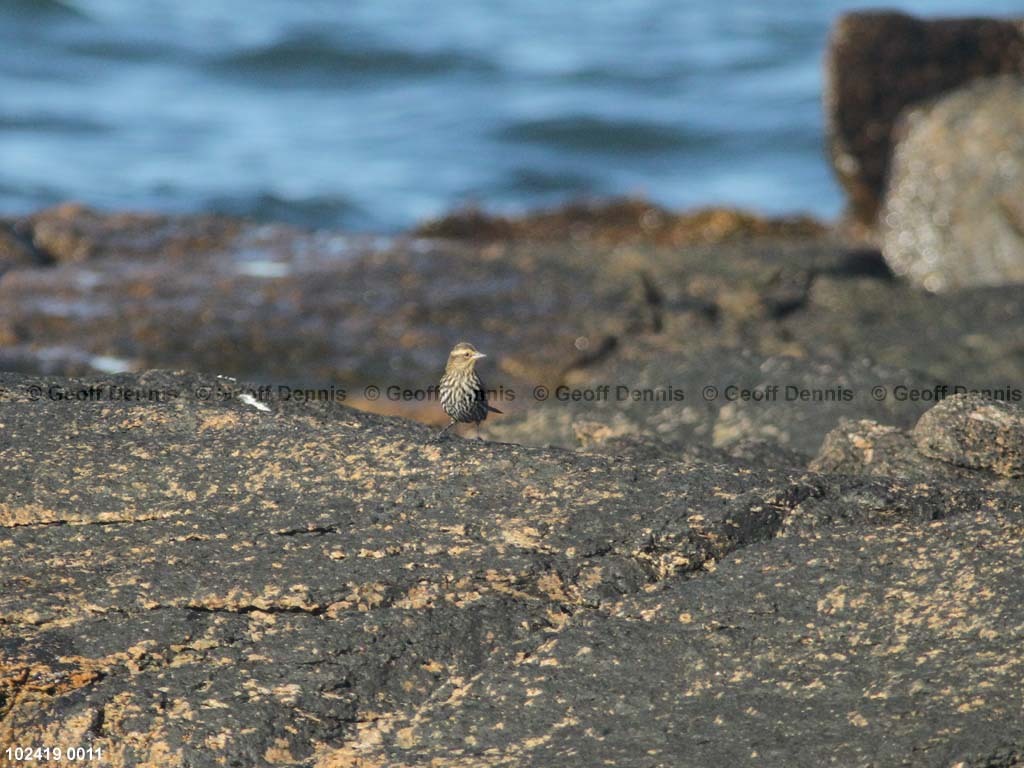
<point>442,433</point>
<point>478,431</point>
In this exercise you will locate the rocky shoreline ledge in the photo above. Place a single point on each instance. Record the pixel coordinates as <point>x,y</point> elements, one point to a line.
<point>198,571</point>
<point>188,583</point>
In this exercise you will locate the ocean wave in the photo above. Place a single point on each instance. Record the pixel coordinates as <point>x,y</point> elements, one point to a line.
<point>52,123</point>
<point>42,9</point>
<point>310,59</point>
<point>631,78</point>
<point>585,133</point>
<point>541,181</point>
<point>126,51</point>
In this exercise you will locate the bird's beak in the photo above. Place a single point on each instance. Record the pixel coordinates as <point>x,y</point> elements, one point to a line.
<point>478,355</point>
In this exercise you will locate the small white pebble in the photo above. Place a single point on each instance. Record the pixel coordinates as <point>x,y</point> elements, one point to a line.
<point>248,399</point>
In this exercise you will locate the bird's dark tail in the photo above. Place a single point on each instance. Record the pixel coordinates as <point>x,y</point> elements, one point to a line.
<point>492,409</point>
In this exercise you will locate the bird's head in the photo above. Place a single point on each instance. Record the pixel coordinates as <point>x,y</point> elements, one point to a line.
<point>463,357</point>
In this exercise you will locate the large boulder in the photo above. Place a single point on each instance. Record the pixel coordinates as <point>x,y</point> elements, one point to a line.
<point>879,63</point>
<point>966,439</point>
<point>976,432</point>
<point>954,210</point>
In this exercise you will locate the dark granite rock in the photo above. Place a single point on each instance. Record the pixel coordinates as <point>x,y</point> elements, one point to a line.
<point>954,210</point>
<point>974,431</point>
<point>966,440</point>
<point>836,668</point>
<point>869,448</point>
<point>188,581</point>
<point>879,63</point>
<point>878,450</point>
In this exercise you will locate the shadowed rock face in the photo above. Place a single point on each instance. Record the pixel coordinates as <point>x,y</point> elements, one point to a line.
<point>190,584</point>
<point>880,63</point>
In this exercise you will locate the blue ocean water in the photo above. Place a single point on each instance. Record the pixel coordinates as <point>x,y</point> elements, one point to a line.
<point>373,114</point>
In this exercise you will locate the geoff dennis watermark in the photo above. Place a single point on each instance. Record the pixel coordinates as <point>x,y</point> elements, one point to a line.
<point>719,393</point>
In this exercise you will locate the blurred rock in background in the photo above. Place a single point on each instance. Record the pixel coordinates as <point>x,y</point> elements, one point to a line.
<point>880,63</point>
<point>954,211</point>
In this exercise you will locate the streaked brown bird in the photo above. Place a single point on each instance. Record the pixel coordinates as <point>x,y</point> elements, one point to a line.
<point>463,396</point>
